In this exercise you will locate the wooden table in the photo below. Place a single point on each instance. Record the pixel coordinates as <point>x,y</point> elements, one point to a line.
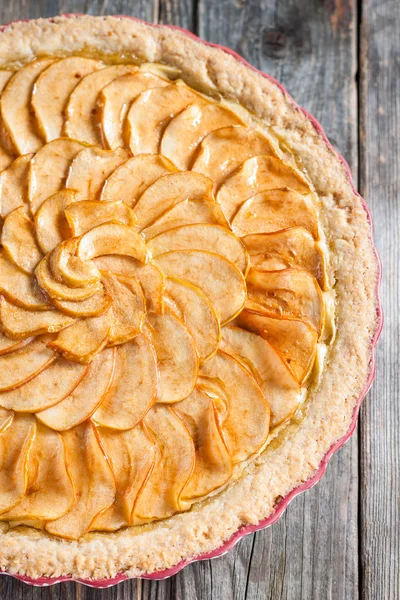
<point>340,59</point>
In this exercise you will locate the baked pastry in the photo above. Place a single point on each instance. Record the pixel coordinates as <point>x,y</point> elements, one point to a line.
<point>188,297</point>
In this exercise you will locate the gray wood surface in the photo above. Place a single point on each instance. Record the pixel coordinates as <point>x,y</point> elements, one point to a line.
<point>341,60</point>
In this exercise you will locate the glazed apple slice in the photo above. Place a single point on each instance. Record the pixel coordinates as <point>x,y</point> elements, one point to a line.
<point>9,345</point>
<point>15,445</point>
<point>13,185</point>
<point>69,268</point>
<point>224,150</point>
<point>50,222</point>
<point>115,99</point>
<point>19,240</point>
<point>213,465</point>
<point>19,323</point>
<point>128,308</point>
<point>94,306</point>
<point>131,454</point>
<point>82,112</point>
<point>85,215</point>
<point>5,157</point>
<point>197,314</point>
<point>274,210</point>
<point>49,170</point>
<point>47,388</point>
<point>15,107</point>
<point>245,425</point>
<point>160,497</point>
<point>224,284</point>
<point>133,177</point>
<point>52,90</point>
<point>81,403</point>
<point>112,238</point>
<point>202,236</point>
<point>258,174</point>
<point>281,390</point>
<point>92,479</point>
<point>18,287</point>
<point>134,388</point>
<point>17,368</point>
<point>6,417</point>
<point>57,289</point>
<point>176,356</point>
<point>150,113</point>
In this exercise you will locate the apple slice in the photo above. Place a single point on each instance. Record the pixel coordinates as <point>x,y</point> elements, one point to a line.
<point>115,99</point>
<point>49,492</point>
<point>133,177</point>
<point>17,368</point>
<point>83,340</point>
<point>134,388</point>
<point>15,107</point>
<point>288,248</point>
<point>81,403</point>
<point>150,113</point>
<point>13,185</point>
<point>6,417</point>
<point>19,323</point>
<point>295,341</point>
<point>83,216</point>
<point>82,111</point>
<point>59,290</point>
<point>160,497</point>
<point>202,236</point>
<point>222,151</point>
<point>49,170</point>
<point>15,446</point>
<point>47,388</point>
<point>70,269</point>
<point>51,224</point>
<point>258,174</point>
<point>245,425</point>
<point>274,210</point>
<point>197,314</point>
<point>20,288</point>
<point>9,345</point>
<point>220,280</point>
<point>176,355</point>
<point>19,240</point>
<point>112,238</point>
<point>129,307</point>
<point>131,454</point>
<point>92,479</point>
<point>5,157</point>
<point>187,129</point>
<point>94,306</point>
<point>213,465</point>
<point>281,390</point>
<point>52,90</point>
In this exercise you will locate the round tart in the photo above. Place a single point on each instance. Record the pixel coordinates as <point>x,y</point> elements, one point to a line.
<point>188,298</point>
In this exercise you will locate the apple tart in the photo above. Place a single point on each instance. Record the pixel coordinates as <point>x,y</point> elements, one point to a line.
<point>183,265</point>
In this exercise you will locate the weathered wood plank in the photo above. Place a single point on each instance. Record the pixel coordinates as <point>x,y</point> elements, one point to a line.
<point>380,183</point>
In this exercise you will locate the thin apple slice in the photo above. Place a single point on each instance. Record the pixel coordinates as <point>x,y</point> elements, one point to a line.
<point>83,216</point>
<point>202,236</point>
<point>82,111</point>
<point>213,465</point>
<point>274,210</point>
<point>13,185</point>
<point>132,455</point>
<point>15,446</point>
<point>85,397</point>
<point>17,368</point>
<point>70,269</point>
<point>295,341</point>
<point>19,323</point>
<point>160,497</point>
<point>6,417</point>
<point>20,288</point>
<point>150,113</point>
<point>90,169</point>
<point>128,308</point>
<point>58,290</point>
<point>245,425</point>
<point>9,345</point>
<point>258,174</point>
<point>176,355</point>
<point>19,240</point>
<point>52,90</point>
<point>112,238</point>
<point>92,479</point>
<point>49,170</point>
<point>281,390</point>
<point>15,107</point>
<point>115,99</point>
<point>94,306</point>
<point>197,314</point>
<point>5,157</point>
<point>224,150</point>
<point>220,280</point>
<point>187,129</point>
<point>134,388</point>
<point>49,492</point>
<point>86,338</point>
<point>133,177</point>
<point>51,224</point>
<point>49,387</point>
